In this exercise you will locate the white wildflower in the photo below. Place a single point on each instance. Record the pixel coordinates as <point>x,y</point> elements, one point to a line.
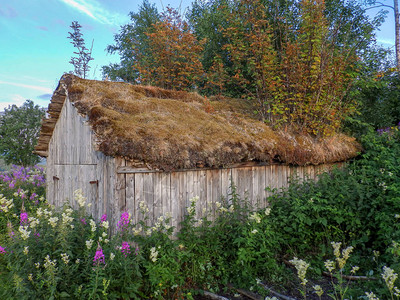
<point>49,263</point>
<point>256,217</point>
<point>354,269</point>
<point>39,212</point>
<point>53,221</point>
<point>66,218</point>
<point>143,207</point>
<point>318,290</point>
<point>112,256</point>
<point>65,258</point>
<point>254,231</point>
<point>153,254</point>
<point>330,265</point>
<point>23,230</point>
<point>371,296</point>
<point>92,224</point>
<point>390,277</point>
<point>78,195</point>
<point>30,277</point>
<point>37,265</point>
<point>137,231</point>
<point>301,267</point>
<point>336,248</point>
<point>89,244</point>
<point>106,225</point>
<point>33,222</point>
<point>231,209</point>
<point>396,291</point>
<point>77,261</point>
<point>267,211</point>
<point>26,250</point>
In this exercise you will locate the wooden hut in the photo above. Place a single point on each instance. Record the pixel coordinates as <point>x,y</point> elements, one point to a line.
<point>122,144</point>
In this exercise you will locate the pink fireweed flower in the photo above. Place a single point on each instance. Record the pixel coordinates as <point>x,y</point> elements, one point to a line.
<point>98,257</point>
<point>83,221</point>
<point>125,249</point>
<point>103,218</point>
<point>124,221</point>
<point>2,250</point>
<point>23,218</point>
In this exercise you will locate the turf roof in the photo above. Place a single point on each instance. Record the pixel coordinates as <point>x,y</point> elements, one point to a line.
<point>179,130</point>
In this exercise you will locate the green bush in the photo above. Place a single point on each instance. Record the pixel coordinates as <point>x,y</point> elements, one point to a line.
<point>63,253</point>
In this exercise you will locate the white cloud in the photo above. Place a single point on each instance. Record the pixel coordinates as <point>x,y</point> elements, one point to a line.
<point>385,41</point>
<point>28,86</point>
<point>94,10</point>
<point>18,100</point>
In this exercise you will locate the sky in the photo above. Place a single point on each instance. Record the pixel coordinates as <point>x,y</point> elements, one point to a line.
<point>35,51</point>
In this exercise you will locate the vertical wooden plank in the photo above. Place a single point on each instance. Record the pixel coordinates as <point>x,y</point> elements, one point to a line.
<point>138,193</point>
<point>258,189</point>
<point>109,188</point>
<point>167,200</point>
<point>189,188</point>
<point>130,197</point>
<point>203,186</point>
<point>234,183</point>
<point>214,190</point>
<point>100,190</point>
<point>175,198</point>
<point>120,185</point>
<point>226,176</point>
<point>148,195</point>
<point>182,196</point>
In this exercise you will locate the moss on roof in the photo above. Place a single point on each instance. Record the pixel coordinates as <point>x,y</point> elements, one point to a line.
<point>178,130</point>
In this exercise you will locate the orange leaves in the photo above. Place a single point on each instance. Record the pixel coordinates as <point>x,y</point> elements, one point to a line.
<point>175,61</point>
<point>304,83</point>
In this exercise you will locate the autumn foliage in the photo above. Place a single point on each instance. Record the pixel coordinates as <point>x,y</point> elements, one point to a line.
<point>297,76</point>
<point>175,54</point>
<point>303,84</point>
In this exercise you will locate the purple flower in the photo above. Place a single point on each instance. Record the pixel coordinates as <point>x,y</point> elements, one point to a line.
<point>103,218</point>
<point>125,249</point>
<point>137,251</point>
<point>83,221</point>
<point>98,257</point>
<point>124,221</point>
<point>32,197</point>
<point>2,250</point>
<point>11,185</point>
<point>23,218</point>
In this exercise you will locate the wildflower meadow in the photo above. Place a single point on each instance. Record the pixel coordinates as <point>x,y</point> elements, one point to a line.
<point>338,238</point>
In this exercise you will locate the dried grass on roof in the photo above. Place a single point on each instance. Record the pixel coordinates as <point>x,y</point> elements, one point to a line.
<point>175,130</point>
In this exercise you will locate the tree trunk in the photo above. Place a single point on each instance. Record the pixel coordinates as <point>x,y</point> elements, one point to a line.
<point>397,31</point>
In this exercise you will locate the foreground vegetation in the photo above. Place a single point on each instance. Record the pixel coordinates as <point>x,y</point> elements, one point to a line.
<point>346,224</point>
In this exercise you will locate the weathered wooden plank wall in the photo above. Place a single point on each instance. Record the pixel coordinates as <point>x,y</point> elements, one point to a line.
<point>73,164</point>
<point>170,193</point>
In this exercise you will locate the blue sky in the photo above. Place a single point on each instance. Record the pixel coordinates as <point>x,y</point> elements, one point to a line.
<point>35,51</point>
